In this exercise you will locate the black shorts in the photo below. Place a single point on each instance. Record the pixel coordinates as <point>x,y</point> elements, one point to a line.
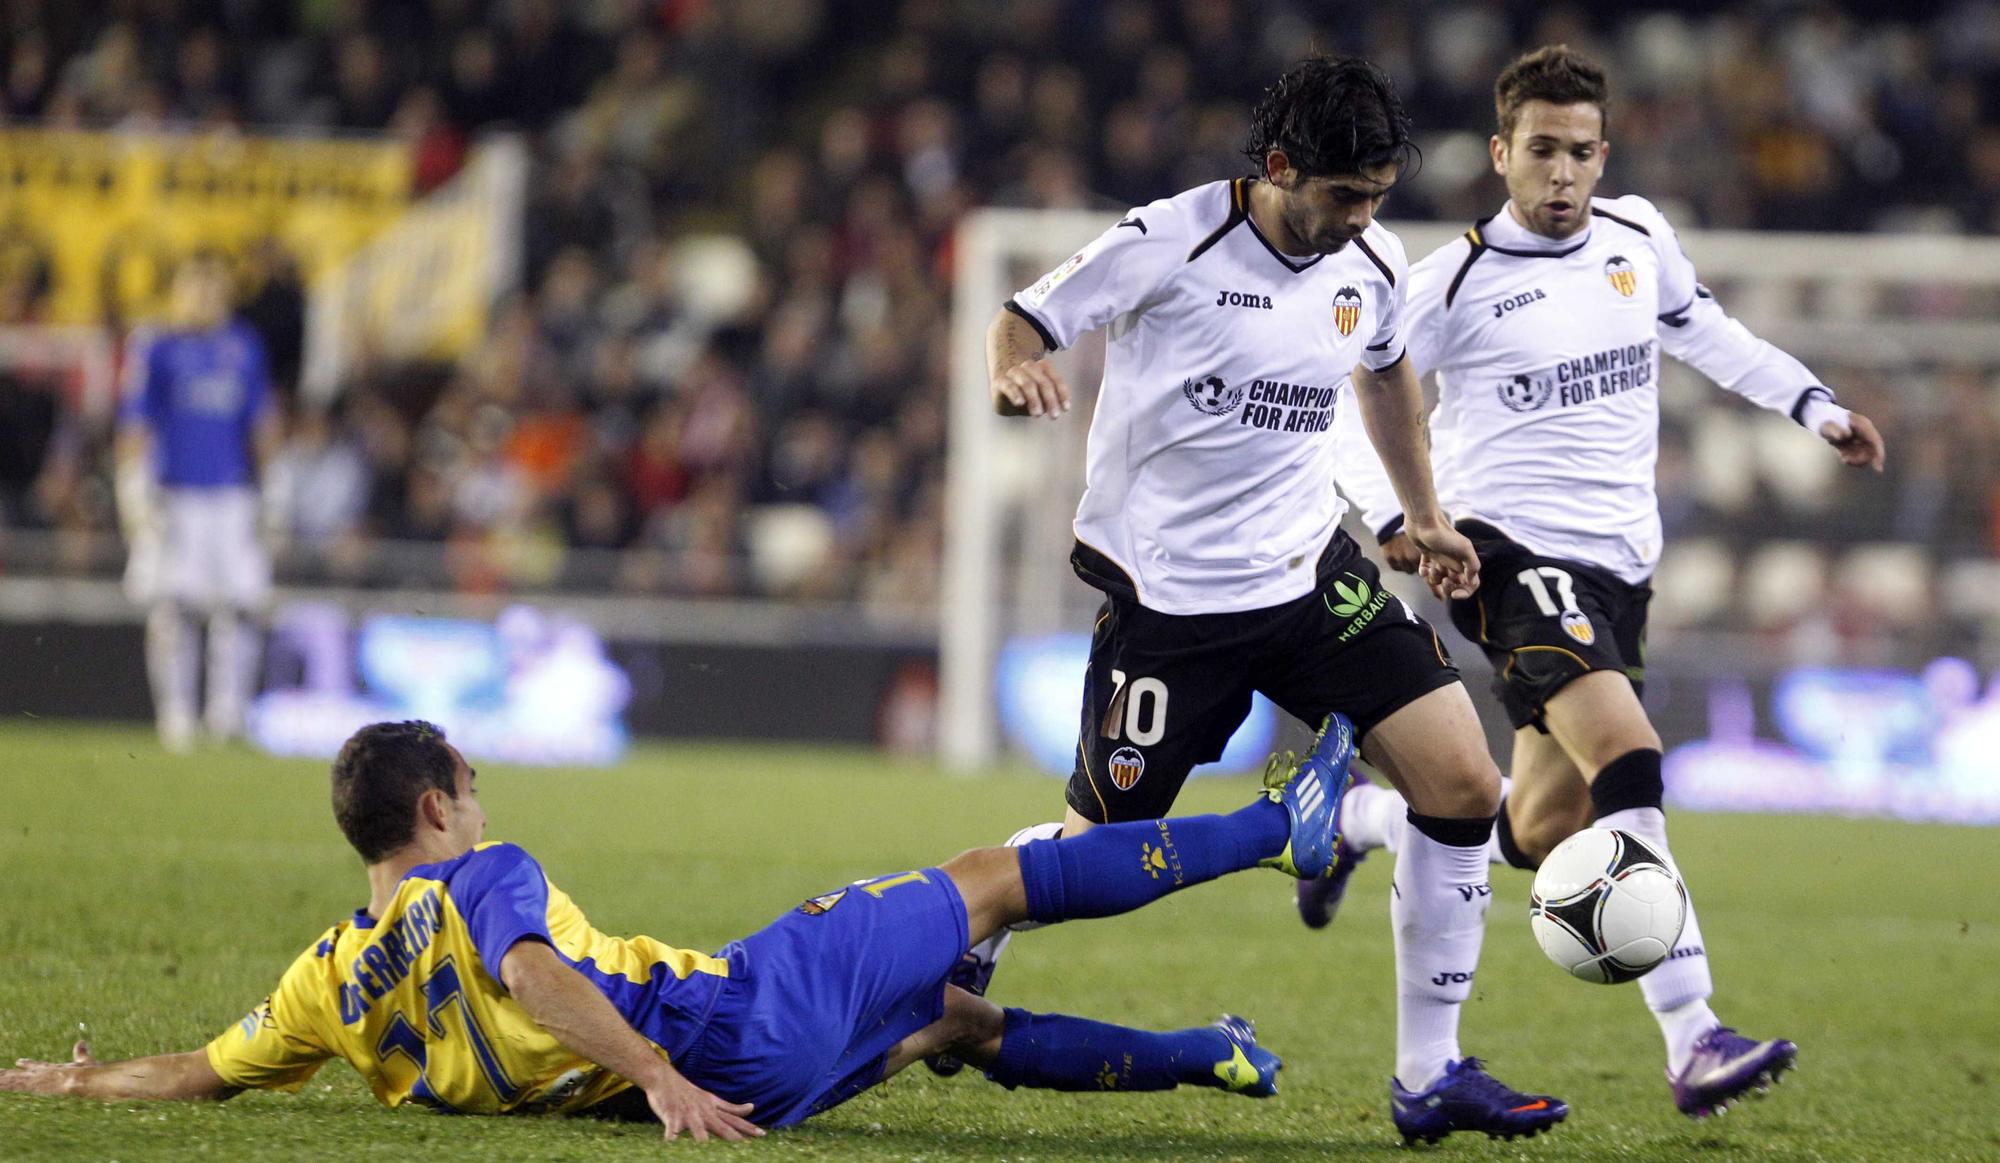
<point>1164,692</point>
<point>1543,621</point>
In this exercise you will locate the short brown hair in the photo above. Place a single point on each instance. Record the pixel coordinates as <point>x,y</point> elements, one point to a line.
<point>381,772</point>
<point>1554,73</point>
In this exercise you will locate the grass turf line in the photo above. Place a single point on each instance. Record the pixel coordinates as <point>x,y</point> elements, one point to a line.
<point>156,899</point>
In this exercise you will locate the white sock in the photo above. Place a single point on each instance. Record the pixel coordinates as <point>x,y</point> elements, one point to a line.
<point>173,665</point>
<point>1374,818</point>
<point>1371,817</point>
<point>1437,904</point>
<point>232,652</point>
<point>1678,991</point>
<point>989,949</point>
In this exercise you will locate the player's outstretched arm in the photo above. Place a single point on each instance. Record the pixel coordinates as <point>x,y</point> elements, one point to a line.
<point>1392,410</point>
<point>562,1002</point>
<point>185,1077</point>
<point>1025,383</point>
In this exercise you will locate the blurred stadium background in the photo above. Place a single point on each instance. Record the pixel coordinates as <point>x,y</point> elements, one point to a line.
<point>616,340</point>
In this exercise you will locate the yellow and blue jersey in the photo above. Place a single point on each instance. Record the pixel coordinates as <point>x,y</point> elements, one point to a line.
<point>413,1000</point>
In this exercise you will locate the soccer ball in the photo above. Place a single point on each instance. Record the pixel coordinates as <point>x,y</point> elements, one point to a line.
<point>1607,907</point>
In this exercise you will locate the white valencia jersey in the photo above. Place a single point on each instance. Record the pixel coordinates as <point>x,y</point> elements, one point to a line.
<point>1209,483</point>
<point>1547,354</point>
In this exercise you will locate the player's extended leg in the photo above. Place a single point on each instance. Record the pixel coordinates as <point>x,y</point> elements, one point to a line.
<point>1115,868</point>
<point>1543,785</point>
<point>1433,751</point>
<point>1599,722</point>
<point>1059,1052</point>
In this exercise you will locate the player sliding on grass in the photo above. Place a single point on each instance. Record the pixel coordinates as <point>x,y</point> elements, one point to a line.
<point>1241,316</point>
<point>470,983</point>
<point>1545,323</point>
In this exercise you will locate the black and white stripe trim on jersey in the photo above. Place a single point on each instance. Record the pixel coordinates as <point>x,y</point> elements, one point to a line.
<point>1601,212</point>
<point>1478,245</point>
<point>1376,259</point>
<point>1390,528</point>
<point>1679,318</point>
<point>1041,329</point>
<point>1806,397</point>
<point>1239,213</point>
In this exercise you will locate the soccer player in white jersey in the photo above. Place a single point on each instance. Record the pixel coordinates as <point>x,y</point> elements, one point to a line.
<point>198,421</point>
<point>1544,324</point>
<point>1241,316</point>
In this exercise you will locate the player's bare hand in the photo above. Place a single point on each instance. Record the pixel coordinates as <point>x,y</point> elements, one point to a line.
<point>1031,388</point>
<point>1447,563</point>
<point>1399,554</point>
<point>32,1076</point>
<point>1857,441</point>
<point>680,1106</point>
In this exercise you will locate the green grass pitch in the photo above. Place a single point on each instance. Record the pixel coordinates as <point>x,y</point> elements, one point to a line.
<point>157,899</point>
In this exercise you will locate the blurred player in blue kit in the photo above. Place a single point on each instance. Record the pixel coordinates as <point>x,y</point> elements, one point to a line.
<point>197,425</point>
<point>469,983</point>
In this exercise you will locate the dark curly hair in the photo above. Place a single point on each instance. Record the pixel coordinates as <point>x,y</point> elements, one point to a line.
<point>1554,73</point>
<point>1332,115</point>
<point>382,770</point>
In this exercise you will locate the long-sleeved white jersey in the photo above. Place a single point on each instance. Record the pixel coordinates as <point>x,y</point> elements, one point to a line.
<point>1209,482</point>
<point>1547,354</point>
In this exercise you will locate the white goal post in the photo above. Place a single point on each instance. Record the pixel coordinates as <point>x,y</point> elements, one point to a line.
<point>1011,485</point>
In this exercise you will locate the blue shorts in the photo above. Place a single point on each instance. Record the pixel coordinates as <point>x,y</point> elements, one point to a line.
<point>816,999</point>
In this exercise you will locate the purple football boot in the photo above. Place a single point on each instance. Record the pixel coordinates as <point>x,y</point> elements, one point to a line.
<point>1469,1099</point>
<point>1725,1066</point>
<point>1319,898</point>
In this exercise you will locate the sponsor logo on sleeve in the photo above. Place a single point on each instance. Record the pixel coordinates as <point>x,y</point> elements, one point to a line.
<point>1346,310</point>
<point>1055,277</point>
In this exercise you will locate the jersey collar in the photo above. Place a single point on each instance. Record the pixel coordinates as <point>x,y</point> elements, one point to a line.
<point>1241,192</point>
<point>1502,234</point>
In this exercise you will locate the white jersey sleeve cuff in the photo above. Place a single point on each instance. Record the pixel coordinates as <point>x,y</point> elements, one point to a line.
<point>1817,407</point>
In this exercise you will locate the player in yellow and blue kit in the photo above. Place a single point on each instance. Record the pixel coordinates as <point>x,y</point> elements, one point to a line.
<point>469,983</point>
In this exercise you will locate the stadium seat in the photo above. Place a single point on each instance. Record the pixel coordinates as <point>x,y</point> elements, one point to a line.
<point>1782,582</point>
<point>788,544</point>
<point>1892,581</point>
<point>1694,582</point>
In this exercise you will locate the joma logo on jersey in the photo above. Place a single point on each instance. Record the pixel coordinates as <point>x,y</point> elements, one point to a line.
<point>1238,299</point>
<point>1624,279</point>
<point>1525,393</point>
<point>1514,302</point>
<point>1346,310</point>
<point>1212,396</point>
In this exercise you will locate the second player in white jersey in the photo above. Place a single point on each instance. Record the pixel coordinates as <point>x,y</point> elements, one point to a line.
<point>1210,478</point>
<point>1547,354</point>
<point>1545,325</point>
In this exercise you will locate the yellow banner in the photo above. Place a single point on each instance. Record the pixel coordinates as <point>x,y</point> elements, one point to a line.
<point>95,222</point>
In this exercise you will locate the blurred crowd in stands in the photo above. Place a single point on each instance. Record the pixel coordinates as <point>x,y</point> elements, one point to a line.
<point>763,412</point>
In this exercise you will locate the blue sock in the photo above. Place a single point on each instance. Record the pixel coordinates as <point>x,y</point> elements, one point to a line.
<point>1058,1052</point>
<point>1115,868</point>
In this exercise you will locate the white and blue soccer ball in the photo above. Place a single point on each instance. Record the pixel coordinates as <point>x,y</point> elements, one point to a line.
<point>1607,907</point>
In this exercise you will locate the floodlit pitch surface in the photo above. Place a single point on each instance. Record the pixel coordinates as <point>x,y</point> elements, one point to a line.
<point>157,899</point>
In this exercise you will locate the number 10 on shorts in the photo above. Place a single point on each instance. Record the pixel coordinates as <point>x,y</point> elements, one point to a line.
<point>1145,707</point>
